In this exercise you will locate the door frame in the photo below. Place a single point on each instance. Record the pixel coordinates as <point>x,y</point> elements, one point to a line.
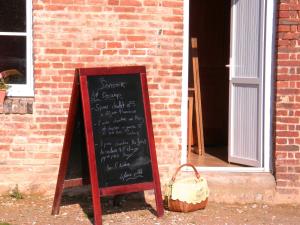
<point>268,87</point>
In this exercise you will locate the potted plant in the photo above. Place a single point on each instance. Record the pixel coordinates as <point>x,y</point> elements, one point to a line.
<point>4,78</point>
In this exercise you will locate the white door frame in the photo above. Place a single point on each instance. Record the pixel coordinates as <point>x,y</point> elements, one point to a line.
<point>268,91</point>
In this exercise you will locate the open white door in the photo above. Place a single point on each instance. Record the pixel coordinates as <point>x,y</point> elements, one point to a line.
<point>246,82</point>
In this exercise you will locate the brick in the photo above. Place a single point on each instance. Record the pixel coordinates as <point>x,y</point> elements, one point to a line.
<point>125,9</point>
<point>150,3</point>
<point>109,52</point>
<point>282,28</point>
<point>282,183</point>
<point>17,155</point>
<point>137,52</point>
<point>297,169</point>
<point>287,147</point>
<point>281,169</point>
<point>55,51</point>
<point>172,18</point>
<point>280,155</point>
<point>288,120</point>
<point>113,2</point>
<point>287,191</point>
<point>281,141</point>
<point>172,4</point>
<point>45,156</point>
<point>136,38</point>
<point>114,45</point>
<point>131,2</point>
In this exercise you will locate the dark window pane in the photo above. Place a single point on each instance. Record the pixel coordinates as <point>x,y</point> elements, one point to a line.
<point>12,15</point>
<point>13,56</point>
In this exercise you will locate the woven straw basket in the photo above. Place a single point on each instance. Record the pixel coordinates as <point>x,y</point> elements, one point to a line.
<point>188,194</point>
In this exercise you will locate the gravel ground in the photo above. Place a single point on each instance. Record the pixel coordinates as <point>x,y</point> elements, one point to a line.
<point>135,211</point>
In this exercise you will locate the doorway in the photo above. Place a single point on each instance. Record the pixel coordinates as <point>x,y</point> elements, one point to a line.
<point>230,37</point>
<point>210,24</point>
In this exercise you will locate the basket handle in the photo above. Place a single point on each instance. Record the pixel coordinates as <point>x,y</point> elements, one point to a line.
<point>186,164</point>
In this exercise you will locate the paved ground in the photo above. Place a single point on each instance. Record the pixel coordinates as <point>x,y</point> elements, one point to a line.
<point>36,210</point>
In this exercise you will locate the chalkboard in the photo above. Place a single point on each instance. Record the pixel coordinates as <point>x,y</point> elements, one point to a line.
<point>119,130</point>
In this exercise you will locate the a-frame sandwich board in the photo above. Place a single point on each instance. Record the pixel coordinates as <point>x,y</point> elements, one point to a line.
<point>111,107</point>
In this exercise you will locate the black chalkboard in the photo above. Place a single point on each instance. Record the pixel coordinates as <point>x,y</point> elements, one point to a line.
<point>78,162</point>
<point>119,129</point>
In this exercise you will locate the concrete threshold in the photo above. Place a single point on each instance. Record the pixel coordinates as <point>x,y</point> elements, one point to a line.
<point>241,187</point>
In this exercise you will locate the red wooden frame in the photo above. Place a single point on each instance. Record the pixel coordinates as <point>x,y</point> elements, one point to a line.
<point>96,190</point>
<point>61,182</point>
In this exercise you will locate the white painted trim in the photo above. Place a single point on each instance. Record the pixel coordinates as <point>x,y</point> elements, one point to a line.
<point>13,34</point>
<point>269,84</point>
<point>231,105</point>
<point>268,95</point>
<point>25,90</point>
<point>185,72</point>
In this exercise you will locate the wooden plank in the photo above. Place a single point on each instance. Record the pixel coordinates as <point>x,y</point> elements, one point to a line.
<point>190,124</point>
<point>76,182</point>
<point>123,189</point>
<point>197,94</point>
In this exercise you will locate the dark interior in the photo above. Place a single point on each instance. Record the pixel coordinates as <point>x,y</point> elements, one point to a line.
<point>210,23</point>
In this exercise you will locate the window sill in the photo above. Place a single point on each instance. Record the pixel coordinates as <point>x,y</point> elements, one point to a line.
<point>14,105</point>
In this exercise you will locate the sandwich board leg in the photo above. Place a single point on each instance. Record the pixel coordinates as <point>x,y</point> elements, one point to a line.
<point>157,190</point>
<point>91,153</point>
<point>155,173</point>
<point>66,147</point>
<point>96,206</point>
<point>60,184</point>
<point>159,203</point>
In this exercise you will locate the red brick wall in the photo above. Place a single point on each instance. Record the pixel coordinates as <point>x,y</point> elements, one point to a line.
<point>88,33</point>
<point>287,109</point>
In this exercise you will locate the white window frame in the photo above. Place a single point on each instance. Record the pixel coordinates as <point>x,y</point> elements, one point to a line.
<point>270,27</point>
<point>24,90</point>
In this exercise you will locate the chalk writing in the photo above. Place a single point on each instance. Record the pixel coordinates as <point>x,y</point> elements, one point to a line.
<point>126,176</point>
<point>119,129</point>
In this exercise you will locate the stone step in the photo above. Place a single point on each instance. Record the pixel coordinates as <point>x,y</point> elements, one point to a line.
<point>241,187</point>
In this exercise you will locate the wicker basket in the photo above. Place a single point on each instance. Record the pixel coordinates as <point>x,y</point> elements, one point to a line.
<point>188,194</point>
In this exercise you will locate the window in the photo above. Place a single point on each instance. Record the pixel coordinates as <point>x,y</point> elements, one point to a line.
<point>15,44</point>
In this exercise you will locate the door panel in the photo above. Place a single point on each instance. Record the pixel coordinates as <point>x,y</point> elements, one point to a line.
<point>245,128</point>
<point>247,37</point>
<point>246,77</point>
